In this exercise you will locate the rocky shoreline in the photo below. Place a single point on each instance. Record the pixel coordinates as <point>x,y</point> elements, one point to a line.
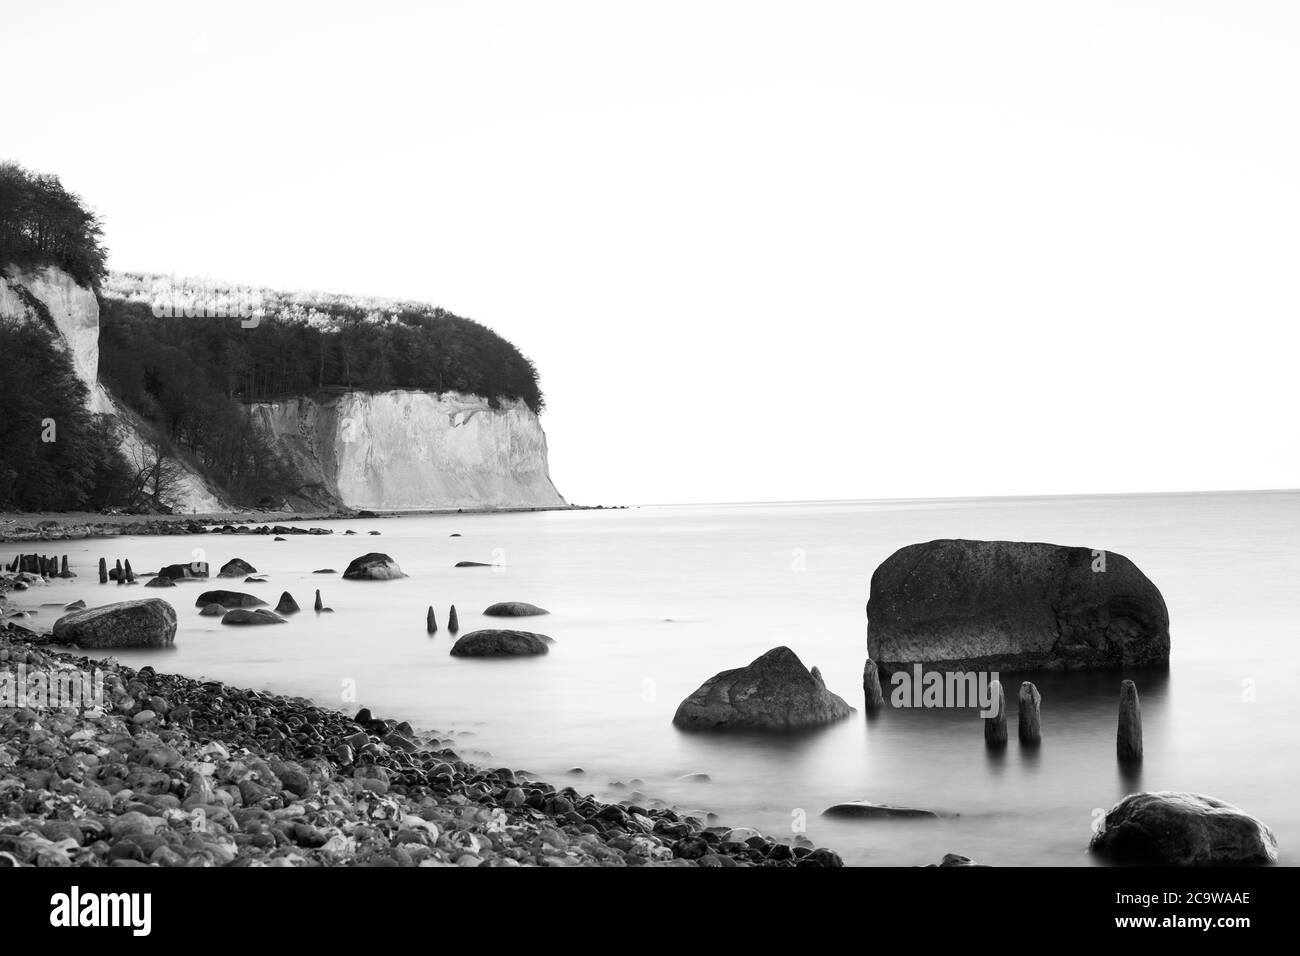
<point>174,771</point>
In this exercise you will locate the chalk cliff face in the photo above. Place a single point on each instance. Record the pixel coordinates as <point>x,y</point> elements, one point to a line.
<point>75,312</point>
<point>408,449</point>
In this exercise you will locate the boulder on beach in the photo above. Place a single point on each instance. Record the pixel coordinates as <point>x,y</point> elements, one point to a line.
<point>212,610</point>
<point>147,623</point>
<point>774,692</point>
<point>229,599</point>
<point>1167,828</point>
<point>514,609</point>
<point>373,567</point>
<point>866,810</point>
<point>194,569</point>
<point>1013,606</point>
<point>236,568</point>
<point>160,581</point>
<point>241,615</point>
<point>500,643</point>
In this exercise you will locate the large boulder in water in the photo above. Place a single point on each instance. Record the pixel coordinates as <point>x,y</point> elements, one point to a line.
<point>1166,828</point>
<point>236,568</point>
<point>514,609</point>
<point>500,643</point>
<point>195,569</point>
<point>229,599</point>
<point>147,623</point>
<point>1013,606</point>
<point>775,692</point>
<point>373,567</point>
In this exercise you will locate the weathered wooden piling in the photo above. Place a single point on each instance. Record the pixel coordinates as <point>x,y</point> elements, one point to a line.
<point>119,574</point>
<point>1031,730</point>
<point>875,697</point>
<point>453,624</point>
<point>1128,739</point>
<point>103,571</point>
<point>319,603</point>
<point>995,727</point>
<point>130,575</point>
<point>430,621</point>
<point>63,568</point>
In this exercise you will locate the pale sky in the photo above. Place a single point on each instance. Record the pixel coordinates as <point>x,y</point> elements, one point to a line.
<point>758,251</point>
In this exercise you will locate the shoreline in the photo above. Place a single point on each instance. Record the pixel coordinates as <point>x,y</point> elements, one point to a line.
<point>71,526</point>
<point>175,771</point>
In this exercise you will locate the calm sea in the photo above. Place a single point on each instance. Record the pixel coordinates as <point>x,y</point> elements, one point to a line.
<point>649,602</point>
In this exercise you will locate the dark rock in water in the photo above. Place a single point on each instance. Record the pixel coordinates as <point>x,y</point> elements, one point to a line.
<point>244,616</point>
<point>695,778</point>
<point>500,643</point>
<point>514,609</point>
<point>130,575</point>
<point>374,532</point>
<point>349,531</point>
<point>324,571</point>
<point>279,539</point>
<point>373,567</point>
<point>147,623</point>
<point>319,603</point>
<point>454,534</point>
<point>956,859</point>
<point>1013,606</point>
<point>1167,828</point>
<point>75,606</point>
<point>1128,736</point>
<point>236,568</point>
<point>287,604</point>
<point>103,571</point>
<point>866,810</point>
<point>212,610</point>
<point>472,564</point>
<point>453,622</point>
<point>158,581</point>
<point>195,569</point>
<point>775,692</point>
<point>255,580</point>
<point>1030,728</point>
<point>229,599</point>
<point>430,621</point>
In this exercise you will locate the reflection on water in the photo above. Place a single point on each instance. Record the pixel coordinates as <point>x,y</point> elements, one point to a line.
<point>648,603</point>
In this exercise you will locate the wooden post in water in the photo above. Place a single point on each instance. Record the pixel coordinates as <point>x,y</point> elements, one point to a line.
<point>1031,731</point>
<point>103,571</point>
<point>875,697</point>
<point>130,575</point>
<point>431,622</point>
<point>319,603</point>
<point>63,568</point>
<point>1128,739</point>
<point>995,727</point>
<point>453,623</point>
<point>121,576</point>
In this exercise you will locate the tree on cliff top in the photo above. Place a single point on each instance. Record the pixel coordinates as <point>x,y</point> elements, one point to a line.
<point>41,223</point>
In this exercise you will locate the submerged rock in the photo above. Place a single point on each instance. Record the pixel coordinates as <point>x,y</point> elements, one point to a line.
<point>501,643</point>
<point>159,581</point>
<point>472,564</point>
<point>866,810</point>
<point>514,609</point>
<point>194,569</point>
<point>212,610</point>
<point>373,567</point>
<point>775,692</point>
<point>244,616</point>
<point>229,599</point>
<point>1013,606</point>
<point>1168,828</point>
<point>147,623</point>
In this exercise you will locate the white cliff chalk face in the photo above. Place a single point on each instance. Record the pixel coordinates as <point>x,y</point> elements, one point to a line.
<point>75,312</point>
<point>409,450</point>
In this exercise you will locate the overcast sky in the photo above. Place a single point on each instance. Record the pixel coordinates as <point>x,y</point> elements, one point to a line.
<point>758,251</point>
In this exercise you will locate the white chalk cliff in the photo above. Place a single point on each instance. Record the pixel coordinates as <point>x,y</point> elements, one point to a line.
<point>75,312</point>
<point>406,449</point>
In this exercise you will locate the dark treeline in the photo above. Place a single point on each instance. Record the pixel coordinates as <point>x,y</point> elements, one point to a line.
<point>296,350</point>
<point>41,223</point>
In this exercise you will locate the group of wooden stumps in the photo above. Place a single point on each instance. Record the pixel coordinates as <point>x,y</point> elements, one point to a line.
<point>431,621</point>
<point>46,566</point>
<point>1128,736</point>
